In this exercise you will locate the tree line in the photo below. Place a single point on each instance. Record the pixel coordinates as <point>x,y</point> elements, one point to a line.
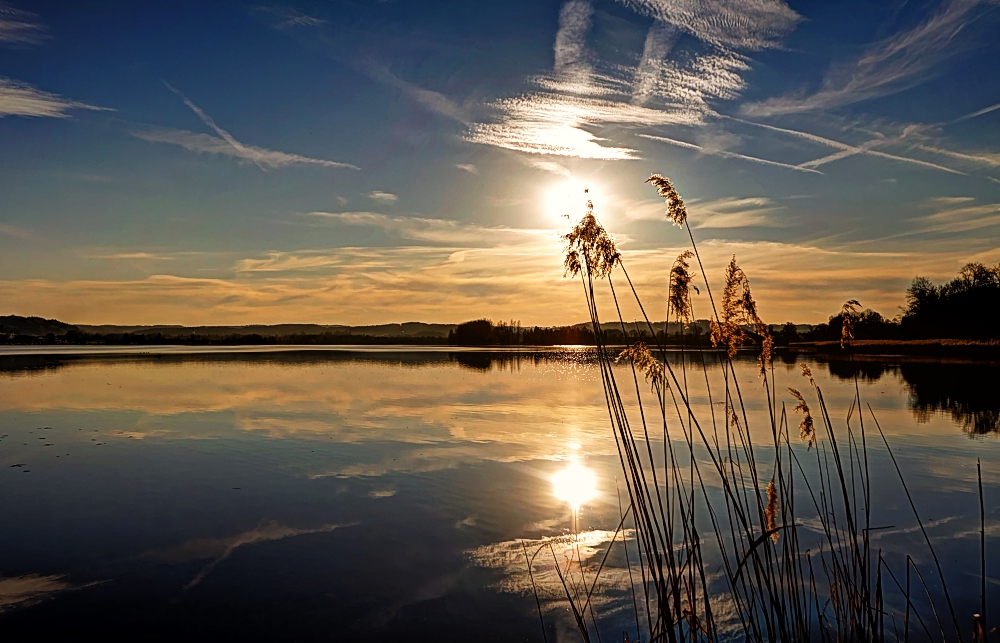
<point>967,307</point>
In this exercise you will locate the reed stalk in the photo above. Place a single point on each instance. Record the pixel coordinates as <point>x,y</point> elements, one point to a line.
<point>792,547</point>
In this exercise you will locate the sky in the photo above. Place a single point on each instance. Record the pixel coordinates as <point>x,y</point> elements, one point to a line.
<point>360,162</point>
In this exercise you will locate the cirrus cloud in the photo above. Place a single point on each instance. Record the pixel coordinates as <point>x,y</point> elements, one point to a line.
<point>23,99</point>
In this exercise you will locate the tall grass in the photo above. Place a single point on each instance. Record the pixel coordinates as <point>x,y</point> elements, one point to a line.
<point>790,533</point>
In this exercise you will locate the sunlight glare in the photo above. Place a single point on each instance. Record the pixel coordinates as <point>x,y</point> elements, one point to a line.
<point>567,197</point>
<point>575,484</point>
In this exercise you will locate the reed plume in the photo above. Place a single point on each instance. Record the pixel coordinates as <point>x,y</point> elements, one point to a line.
<point>588,245</point>
<point>739,309</point>
<point>680,286</point>
<point>734,420</point>
<point>807,430</point>
<point>771,513</point>
<point>676,212</point>
<point>643,360</point>
<point>847,314</point>
<point>807,372</point>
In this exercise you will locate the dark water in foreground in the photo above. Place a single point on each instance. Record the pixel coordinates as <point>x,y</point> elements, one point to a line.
<point>382,494</point>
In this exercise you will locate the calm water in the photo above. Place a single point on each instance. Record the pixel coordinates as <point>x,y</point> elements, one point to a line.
<point>383,494</point>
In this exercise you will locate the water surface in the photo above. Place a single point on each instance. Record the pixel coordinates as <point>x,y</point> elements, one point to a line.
<point>384,493</point>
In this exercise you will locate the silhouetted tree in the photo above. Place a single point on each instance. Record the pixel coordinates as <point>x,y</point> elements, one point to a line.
<point>967,307</point>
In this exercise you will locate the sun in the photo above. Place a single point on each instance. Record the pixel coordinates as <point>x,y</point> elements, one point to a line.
<point>575,484</point>
<point>569,197</point>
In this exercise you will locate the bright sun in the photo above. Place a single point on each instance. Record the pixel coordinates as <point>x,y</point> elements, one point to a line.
<point>568,197</point>
<point>575,484</point>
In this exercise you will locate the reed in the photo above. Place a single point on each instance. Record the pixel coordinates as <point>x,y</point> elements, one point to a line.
<point>786,523</point>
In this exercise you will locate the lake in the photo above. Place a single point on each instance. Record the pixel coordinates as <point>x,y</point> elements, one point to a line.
<point>388,493</point>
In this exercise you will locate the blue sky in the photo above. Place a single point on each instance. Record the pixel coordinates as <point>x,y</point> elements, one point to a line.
<point>367,162</point>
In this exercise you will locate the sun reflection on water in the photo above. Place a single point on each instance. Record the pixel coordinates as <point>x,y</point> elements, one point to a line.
<point>574,484</point>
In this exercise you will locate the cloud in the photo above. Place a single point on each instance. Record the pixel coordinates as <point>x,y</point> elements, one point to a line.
<point>659,42</point>
<point>18,27</point>
<point>950,200</point>
<point>135,255</point>
<point>382,197</point>
<point>223,134</point>
<point>549,166</point>
<point>566,112</point>
<point>208,144</point>
<point>968,158</point>
<point>977,113</point>
<point>729,155</point>
<point>289,262</point>
<point>433,101</point>
<point>502,271</point>
<point>440,231</point>
<point>732,212</point>
<point>22,99</point>
<point>961,219</point>
<point>555,124</point>
<point>722,213</point>
<point>847,150</point>
<point>19,233</point>
<point>225,143</point>
<point>570,47</point>
<point>903,61</point>
<point>222,548</point>
<point>24,591</point>
<point>467,167</point>
<point>344,42</point>
<point>291,18</point>
<point>735,24</point>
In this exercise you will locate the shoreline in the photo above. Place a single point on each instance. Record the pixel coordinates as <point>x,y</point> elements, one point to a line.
<point>965,348</point>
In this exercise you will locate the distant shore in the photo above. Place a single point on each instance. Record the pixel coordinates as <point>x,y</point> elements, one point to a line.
<point>922,347</point>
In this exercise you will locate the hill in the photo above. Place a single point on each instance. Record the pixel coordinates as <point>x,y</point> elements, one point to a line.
<point>36,326</point>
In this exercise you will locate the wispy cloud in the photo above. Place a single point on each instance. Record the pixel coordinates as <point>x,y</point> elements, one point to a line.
<point>732,212</point>
<point>978,158</point>
<point>467,167</point>
<point>978,112</point>
<point>19,27</point>
<point>265,532</point>
<point>569,109</point>
<point>441,231</point>
<point>660,40</point>
<point>549,166</point>
<point>24,591</point>
<point>385,284</point>
<point>433,101</point>
<point>729,155</point>
<point>847,150</point>
<point>284,18</point>
<point>223,134</point>
<point>903,61</point>
<point>342,41</point>
<point>722,213</point>
<point>382,197</point>
<point>735,24</point>
<point>225,143</point>
<point>17,232</point>
<point>208,144</point>
<point>148,256</point>
<point>949,200</point>
<point>960,219</point>
<point>22,99</point>
<point>570,47</point>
